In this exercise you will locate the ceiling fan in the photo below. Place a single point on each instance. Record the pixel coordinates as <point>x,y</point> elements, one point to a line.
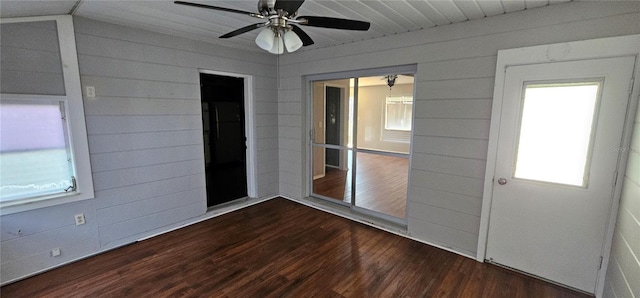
<point>280,21</point>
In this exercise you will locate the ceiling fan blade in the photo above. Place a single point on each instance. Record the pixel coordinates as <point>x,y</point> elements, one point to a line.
<point>290,6</point>
<point>334,23</point>
<point>264,6</point>
<point>306,40</point>
<point>243,30</point>
<point>215,8</point>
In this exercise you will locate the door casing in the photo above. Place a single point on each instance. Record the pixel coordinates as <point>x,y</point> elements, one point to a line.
<point>249,111</point>
<point>580,50</point>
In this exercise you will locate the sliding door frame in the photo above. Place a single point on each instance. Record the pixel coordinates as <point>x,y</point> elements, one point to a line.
<point>310,145</point>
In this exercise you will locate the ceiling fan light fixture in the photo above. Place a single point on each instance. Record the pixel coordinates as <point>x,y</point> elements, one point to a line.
<point>280,18</point>
<point>391,80</point>
<point>266,39</point>
<point>278,45</point>
<point>292,41</point>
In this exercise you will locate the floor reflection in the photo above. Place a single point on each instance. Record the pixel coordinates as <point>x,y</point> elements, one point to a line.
<point>381,183</point>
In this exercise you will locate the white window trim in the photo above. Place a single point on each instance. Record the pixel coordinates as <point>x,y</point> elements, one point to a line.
<point>79,143</point>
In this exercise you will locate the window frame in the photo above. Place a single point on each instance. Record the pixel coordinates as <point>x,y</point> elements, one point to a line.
<point>75,118</point>
<point>403,99</point>
<point>599,82</point>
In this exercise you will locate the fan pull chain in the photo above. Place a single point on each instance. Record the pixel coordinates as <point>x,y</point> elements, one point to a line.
<point>278,72</point>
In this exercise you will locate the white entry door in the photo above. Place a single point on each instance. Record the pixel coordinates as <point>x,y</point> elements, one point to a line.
<point>561,124</point>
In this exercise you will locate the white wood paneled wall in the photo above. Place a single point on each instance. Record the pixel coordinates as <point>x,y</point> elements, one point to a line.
<point>623,274</point>
<point>145,124</point>
<point>145,140</point>
<point>455,78</point>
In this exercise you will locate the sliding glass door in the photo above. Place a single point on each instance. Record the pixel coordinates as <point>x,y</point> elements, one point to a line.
<point>331,140</point>
<point>361,140</point>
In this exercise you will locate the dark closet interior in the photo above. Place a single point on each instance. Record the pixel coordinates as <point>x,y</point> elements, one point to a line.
<point>224,137</point>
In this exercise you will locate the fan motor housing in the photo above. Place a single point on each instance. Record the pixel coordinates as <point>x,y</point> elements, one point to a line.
<point>278,22</point>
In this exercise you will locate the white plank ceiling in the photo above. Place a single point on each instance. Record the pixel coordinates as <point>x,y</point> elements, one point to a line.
<point>387,17</point>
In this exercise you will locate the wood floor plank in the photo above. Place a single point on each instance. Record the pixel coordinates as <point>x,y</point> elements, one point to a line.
<point>280,248</point>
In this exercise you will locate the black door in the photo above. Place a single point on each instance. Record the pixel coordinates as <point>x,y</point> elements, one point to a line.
<point>224,137</point>
<point>332,126</point>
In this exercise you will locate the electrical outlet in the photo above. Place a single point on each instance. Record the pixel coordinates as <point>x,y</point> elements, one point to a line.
<point>55,252</point>
<point>80,219</point>
<point>91,91</point>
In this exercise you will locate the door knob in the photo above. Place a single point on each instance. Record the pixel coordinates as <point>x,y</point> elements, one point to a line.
<point>502,181</point>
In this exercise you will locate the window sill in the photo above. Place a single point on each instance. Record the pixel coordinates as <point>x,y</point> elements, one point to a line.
<point>42,202</point>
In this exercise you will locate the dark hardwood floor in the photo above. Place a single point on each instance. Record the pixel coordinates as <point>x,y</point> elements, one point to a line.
<point>381,184</point>
<point>280,248</point>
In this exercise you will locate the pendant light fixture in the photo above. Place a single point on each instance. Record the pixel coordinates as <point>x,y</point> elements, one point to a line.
<point>391,80</point>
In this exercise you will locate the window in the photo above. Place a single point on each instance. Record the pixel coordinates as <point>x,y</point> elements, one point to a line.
<point>398,113</point>
<point>44,151</point>
<point>562,115</point>
<point>34,151</point>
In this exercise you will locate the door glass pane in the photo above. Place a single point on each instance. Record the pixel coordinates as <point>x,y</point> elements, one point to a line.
<point>331,112</point>
<point>377,123</point>
<point>384,114</point>
<point>556,132</point>
<point>332,180</point>
<point>381,183</point>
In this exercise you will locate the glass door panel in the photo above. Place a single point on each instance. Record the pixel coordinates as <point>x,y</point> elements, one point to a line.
<point>332,114</point>
<point>333,182</point>
<point>363,126</point>
<point>385,114</point>
<point>381,183</point>
<point>384,126</point>
<point>331,165</point>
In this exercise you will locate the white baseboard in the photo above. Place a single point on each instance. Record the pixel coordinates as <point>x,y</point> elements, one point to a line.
<point>169,228</point>
<point>378,226</point>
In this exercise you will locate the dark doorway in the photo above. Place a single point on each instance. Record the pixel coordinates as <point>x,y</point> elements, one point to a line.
<point>332,130</point>
<point>224,138</point>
